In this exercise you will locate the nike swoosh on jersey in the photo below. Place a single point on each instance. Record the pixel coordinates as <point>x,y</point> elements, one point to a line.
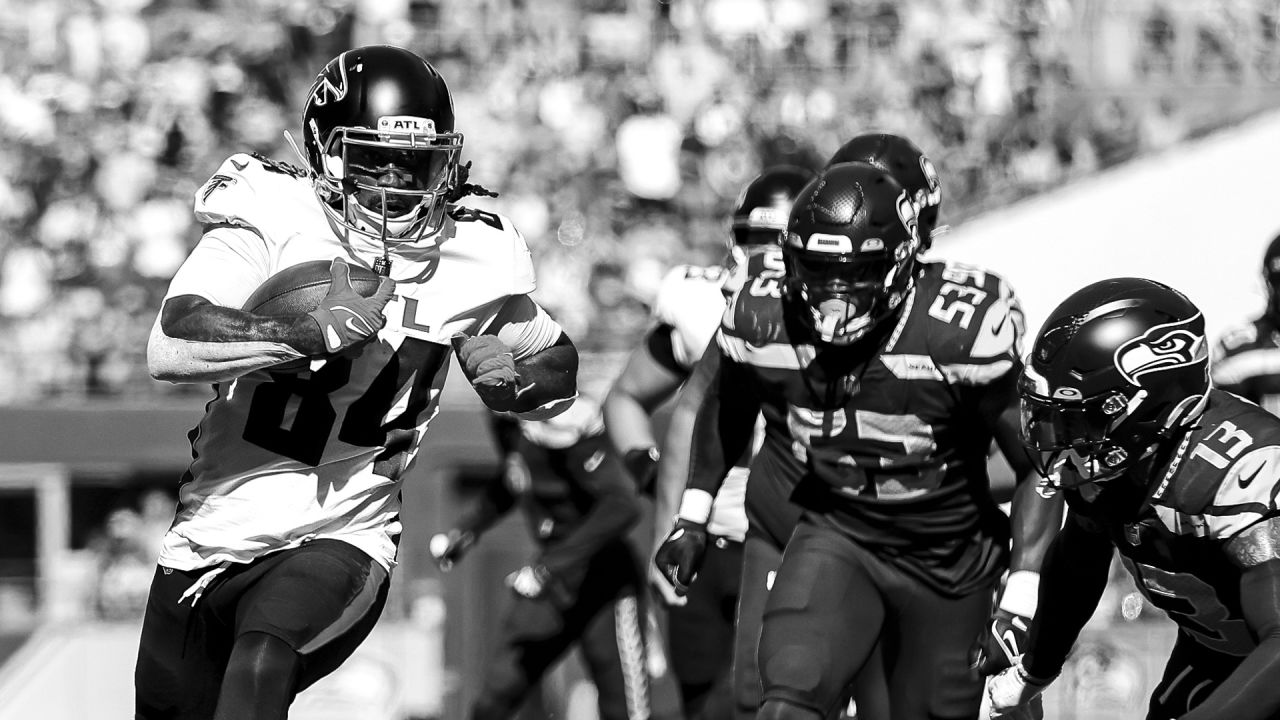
<point>239,165</point>
<point>1247,481</point>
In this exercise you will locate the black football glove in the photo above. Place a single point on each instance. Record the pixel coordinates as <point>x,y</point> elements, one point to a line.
<point>679,557</point>
<point>448,547</point>
<point>642,464</point>
<point>1002,642</point>
<point>1005,637</point>
<point>346,318</point>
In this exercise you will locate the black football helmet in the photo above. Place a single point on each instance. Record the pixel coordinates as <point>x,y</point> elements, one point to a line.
<point>1120,367</point>
<point>760,216</point>
<point>380,143</point>
<point>1271,277</point>
<point>908,165</point>
<point>850,251</point>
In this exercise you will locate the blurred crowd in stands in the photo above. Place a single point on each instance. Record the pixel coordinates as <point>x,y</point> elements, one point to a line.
<point>618,132</point>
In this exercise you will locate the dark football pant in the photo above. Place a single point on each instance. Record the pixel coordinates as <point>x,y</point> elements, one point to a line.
<point>761,559</point>
<point>833,599</point>
<point>607,617</point>
<point>1191,674</point>
<point>700,635</point>
<point>319,600</point>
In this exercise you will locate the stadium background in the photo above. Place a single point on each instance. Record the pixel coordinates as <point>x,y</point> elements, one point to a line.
<point>1075,139</point>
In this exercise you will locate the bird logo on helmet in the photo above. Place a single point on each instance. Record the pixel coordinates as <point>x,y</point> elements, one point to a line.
<point>908,164</point>
<point>850,251</point>
<point>380,145</point>
<point>1119,368</point>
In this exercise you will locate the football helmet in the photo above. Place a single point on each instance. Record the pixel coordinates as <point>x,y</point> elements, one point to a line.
<point>1120,367</point>
<point>850,251</point>
<point>908,165</point>
<point>760,216</point>
<point>380,144</point>
<point>1271,277</point>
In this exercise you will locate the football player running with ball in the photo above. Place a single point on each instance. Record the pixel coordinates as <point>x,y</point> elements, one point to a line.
<point>276,566</point>
<point>1178,476</point>
<point>687,311</point>
<point>890,377</point>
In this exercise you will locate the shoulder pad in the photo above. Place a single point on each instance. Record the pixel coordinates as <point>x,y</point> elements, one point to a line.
<point>691,302</point>
<point>489,239</point>
<point>1247,492</point>
<point>271,198</point>
<point>1235,338</point>
<point>975,322</point>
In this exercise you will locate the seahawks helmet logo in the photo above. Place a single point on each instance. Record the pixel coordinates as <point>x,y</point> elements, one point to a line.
<point>1163,347</point>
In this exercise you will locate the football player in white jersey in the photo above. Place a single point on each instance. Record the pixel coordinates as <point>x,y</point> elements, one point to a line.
<point>687,312</point>
<point>276,565</point>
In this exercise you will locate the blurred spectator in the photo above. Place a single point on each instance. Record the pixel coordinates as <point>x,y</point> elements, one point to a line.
<point>593,120</point>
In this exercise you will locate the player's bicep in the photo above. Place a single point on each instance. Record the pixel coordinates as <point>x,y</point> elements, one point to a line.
<point>647,378</point>
<point>1255,545</point>
<point>524,326</point>
<point>1260,598</point>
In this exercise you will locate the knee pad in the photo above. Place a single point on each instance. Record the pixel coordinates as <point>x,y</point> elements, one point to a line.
<point>774,709</point>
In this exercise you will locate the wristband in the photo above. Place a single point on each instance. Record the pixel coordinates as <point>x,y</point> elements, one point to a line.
<point>1021,593</point>
<point>695,506</point>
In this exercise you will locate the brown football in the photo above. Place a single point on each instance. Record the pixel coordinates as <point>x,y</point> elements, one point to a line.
<point>298,289</point>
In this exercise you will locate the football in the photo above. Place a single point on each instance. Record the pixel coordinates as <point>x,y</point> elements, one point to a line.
<point>298,290</point>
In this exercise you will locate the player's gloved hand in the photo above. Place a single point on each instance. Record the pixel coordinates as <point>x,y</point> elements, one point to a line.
<point>448,547</point>
<point>679,557</point>
<point>530,581</point>
<point>491,367</point>
<point>1004,639</point>
<point>642,464</point>
<point>1014,695</point>
<point>663,588</point>
<point>346,318</point>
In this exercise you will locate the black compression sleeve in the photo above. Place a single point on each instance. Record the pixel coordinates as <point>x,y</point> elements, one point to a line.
<point>1251,692</point>
<point>1072,580</point>
<point>661,346</point>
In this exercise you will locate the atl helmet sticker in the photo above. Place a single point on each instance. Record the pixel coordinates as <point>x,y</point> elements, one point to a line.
<point>331,86</point>
<point>1163,347</point>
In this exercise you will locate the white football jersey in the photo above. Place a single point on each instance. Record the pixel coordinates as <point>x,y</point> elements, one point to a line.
<point>691,300</point>
<point>281,458</point>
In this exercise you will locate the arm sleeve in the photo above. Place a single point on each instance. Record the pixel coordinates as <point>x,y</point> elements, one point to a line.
<point>523,326</point>
<point>1251,692</point>
<point>614,508</point>
<point>1072,580</point>
<point>494,502</point>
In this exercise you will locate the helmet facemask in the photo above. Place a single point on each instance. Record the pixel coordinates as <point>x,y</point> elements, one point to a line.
<point>392,184</point>
<point>1080,435</point>
<point>847,295</point>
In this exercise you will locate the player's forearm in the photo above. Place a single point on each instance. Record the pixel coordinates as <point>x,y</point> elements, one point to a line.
<point>547,384</point>
<point>614,513</point>
<point>201,342</point>
<point>1072,580</point>
<point>1250,692</point>
<point>1035,522</point>
<point>494,502</point>
<point>627,422</point>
